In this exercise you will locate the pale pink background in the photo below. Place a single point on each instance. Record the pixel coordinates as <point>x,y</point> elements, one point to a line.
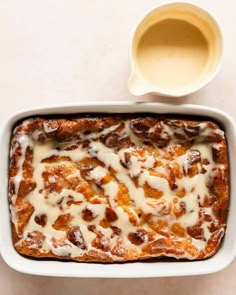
<point>58,51</point>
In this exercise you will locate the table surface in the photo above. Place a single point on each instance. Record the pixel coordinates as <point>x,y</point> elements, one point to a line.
<point>65,51</point>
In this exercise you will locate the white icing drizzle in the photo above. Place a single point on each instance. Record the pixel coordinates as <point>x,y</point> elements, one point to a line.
<point>111,190</point>
<point>36,134</point>
<point>127,131</point>
<point>205,130</point>
<point>53,204</point>
<point>98,173</point>
<point>87,235</point>
<point>217,145</point>
<point>24,141</point>
<point>47,128</point>
<point>167,130</point>
<point>13,214</point>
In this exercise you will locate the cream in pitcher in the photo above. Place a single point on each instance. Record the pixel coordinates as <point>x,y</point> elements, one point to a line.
<point>175,50</point>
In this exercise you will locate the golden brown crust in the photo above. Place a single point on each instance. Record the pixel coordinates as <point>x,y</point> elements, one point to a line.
<point>164,158</point>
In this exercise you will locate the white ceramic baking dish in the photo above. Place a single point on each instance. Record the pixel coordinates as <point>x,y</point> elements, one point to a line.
<point>220,260</point>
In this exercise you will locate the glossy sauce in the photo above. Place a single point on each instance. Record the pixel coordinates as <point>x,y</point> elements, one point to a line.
<point>172,54</point>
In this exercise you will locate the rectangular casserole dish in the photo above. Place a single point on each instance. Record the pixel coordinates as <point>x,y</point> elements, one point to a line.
<point>156,268</point>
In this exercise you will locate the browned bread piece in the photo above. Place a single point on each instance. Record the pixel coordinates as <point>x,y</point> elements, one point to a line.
<point>118,188</point>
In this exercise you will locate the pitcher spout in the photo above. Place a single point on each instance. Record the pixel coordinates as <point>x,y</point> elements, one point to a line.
<point>137,86</point>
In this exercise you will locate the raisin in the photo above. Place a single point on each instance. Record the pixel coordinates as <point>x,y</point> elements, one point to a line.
<point>110,215</point>
<point>41,219</point>
<point>137,238</point>
<point>87,215</point>
<point>91,228</point>
<point>116,140</point>
<point>141,126</point>
<point>192,130</point>
<point>203,170</point>
<point>116,230</point>
<point>87,132</point>
<point>126,162</point>
<point>71,148</point>
<point>75,236</point>
<point>111,140</point>
<point>85,144</point>
<point>160,137</point>
<point>205,162</point>
<point>59,202</point>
